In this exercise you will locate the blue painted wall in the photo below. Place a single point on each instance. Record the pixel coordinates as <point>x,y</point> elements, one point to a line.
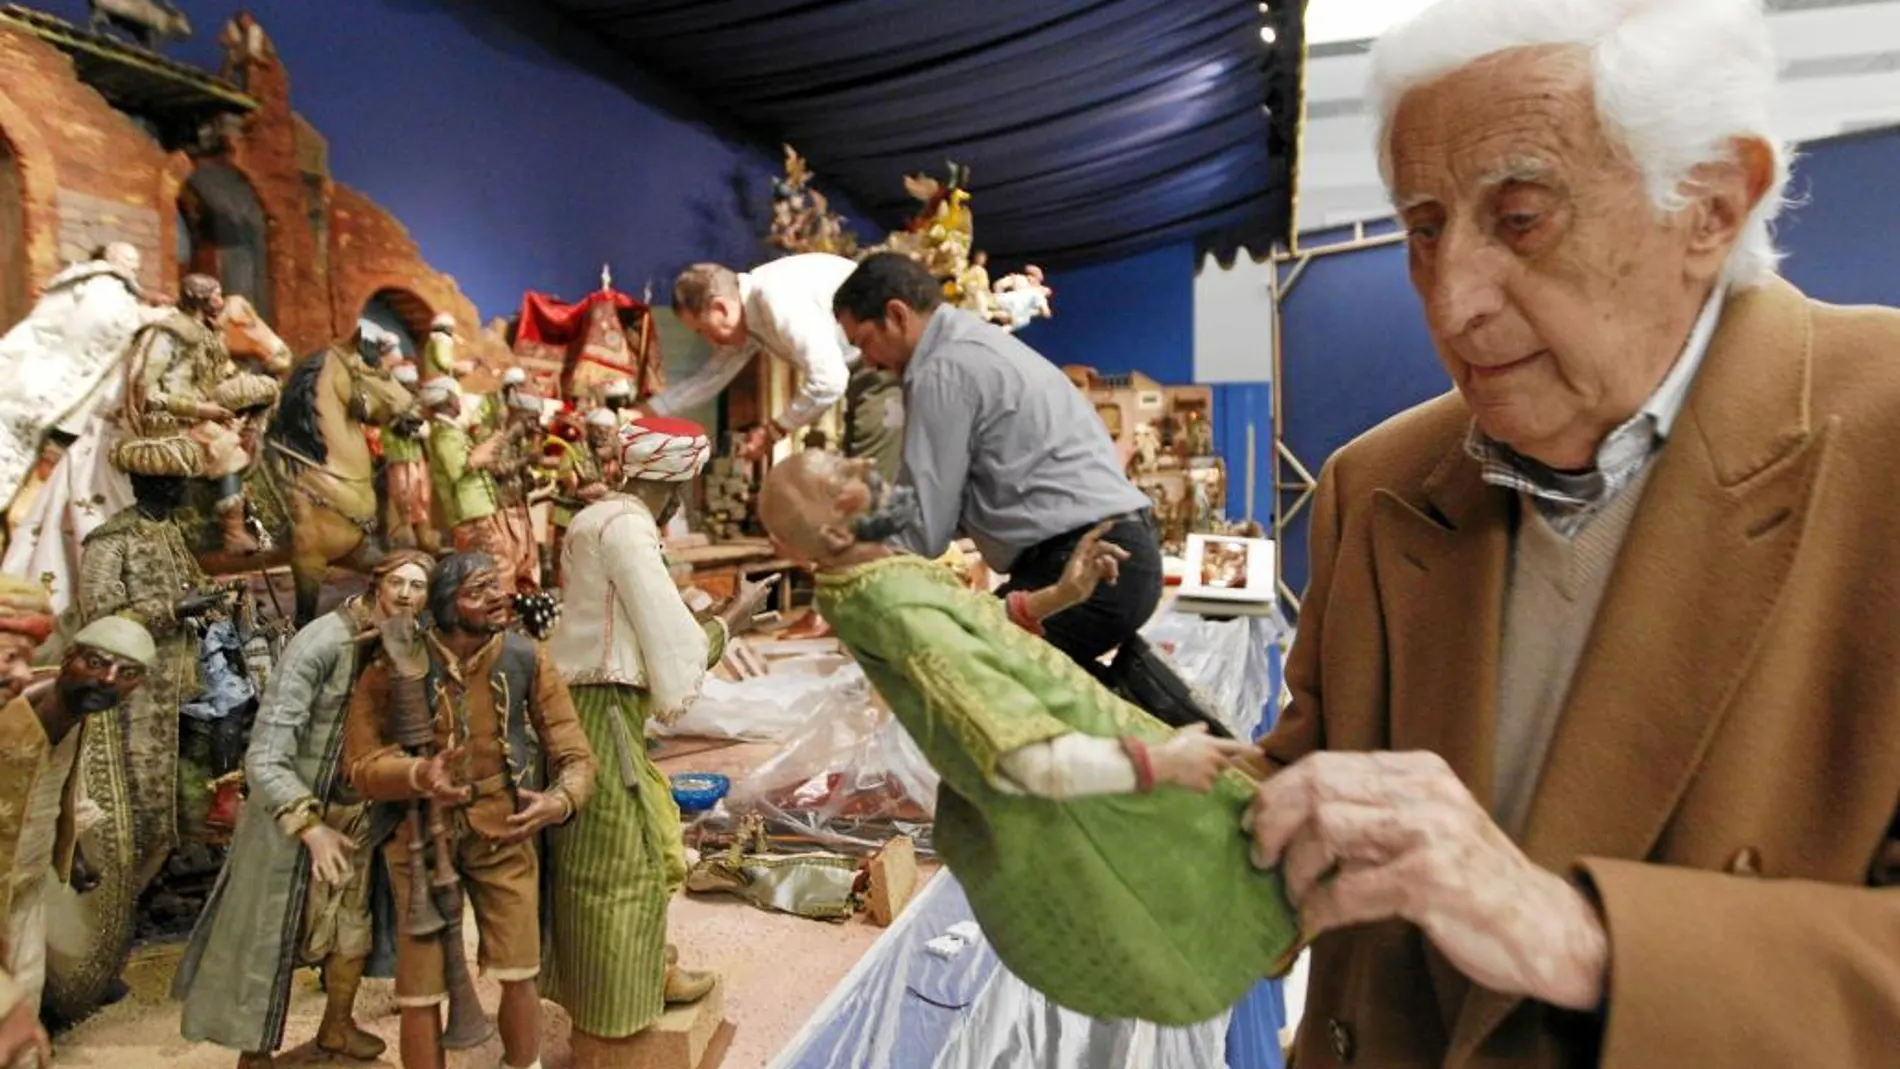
<point>518,153</point>
<point>1840,237</point>
<point>1132,314</point>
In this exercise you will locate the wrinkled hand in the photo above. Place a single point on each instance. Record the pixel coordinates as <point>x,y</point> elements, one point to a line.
<point>756,444</point>
<point>1092,563</point>
<point>216,413</point>
<point>747,602</point>
<point>402,644</point>
<point>1193,758</point>
<point>21,1033</point>
<point>437,782</point>
<point>1366,837</point>
<point>330,852</point>
<point>537,811</point>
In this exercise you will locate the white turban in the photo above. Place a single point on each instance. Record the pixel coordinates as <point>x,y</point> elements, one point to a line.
<point>603,417</point>
<point>514,376</point>
<point>528,402</point>
<point>445,321</point>
<point>435,392</point>
<point>405,373</point>
<point>662,449</point>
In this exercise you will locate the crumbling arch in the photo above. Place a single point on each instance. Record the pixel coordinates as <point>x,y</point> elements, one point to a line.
<point>226,233</point>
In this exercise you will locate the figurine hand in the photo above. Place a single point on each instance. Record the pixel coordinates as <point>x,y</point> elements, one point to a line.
<point>747,603</point>
<point>83,878</point>
<point>216,413</point>
<point>591,492</point>
<point>402,644</point>
<point>537,811</point>
<point>193,605</point>
<point>21,1032</point>
<point>1092,563</point>
<point>330,852</point>
<point>756,444</point>
<point>434,781</point>
<point>1193,758</point>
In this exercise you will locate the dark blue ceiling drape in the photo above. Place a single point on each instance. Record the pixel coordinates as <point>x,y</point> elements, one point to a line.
<point>1092,128</point>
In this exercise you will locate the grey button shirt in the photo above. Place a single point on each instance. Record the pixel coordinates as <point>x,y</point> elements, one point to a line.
<point>1001,446</point>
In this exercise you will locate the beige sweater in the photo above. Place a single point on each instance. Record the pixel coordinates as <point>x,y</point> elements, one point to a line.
<point>1550,601</point>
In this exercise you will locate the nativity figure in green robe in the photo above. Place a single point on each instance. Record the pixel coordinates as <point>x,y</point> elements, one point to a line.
<point>1102,851</point>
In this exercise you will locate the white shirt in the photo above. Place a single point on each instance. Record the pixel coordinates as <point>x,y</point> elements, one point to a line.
<point>788,316</point>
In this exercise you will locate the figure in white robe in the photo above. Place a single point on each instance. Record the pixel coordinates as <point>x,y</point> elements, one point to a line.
<point>62,352</point>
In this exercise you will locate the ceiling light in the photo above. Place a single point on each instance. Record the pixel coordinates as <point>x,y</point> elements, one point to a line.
<point>1267,34</point>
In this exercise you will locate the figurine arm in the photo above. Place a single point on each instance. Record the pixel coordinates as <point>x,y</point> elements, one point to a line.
<point>448,451</point>
<point>380,771</point>
<point>103,590</point>
<point>939,416</point>
<point>571,763</point>
<point>672,643</point>
<point>283,724</point>
<point>160,392</point>
<point>1072,766</point>
<point>705,384</point>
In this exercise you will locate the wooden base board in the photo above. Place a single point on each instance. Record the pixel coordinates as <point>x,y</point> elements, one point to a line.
<point>686,1037</point>
<point>893,880</point>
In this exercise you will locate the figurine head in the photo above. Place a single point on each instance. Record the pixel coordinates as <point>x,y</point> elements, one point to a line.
<point>706,299</point>
<point>443,324</point>
<point>818,506</point>
<point>467,596</point>
<point>122,256</point>
<point>659,459</point>
<point>438,396</point>
<point>26,619</point>
<point>603,428</point>
<point>158,495</point>
<point>109,659</point>
<point>884,307</point>
<point>201,296</point>
<point>401,583</point>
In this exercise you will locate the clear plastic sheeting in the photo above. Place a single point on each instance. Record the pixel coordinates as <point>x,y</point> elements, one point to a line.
<point>771,707</point>
<point>1225,659</point>
<point>848,779</point>
<point>905,1007</point>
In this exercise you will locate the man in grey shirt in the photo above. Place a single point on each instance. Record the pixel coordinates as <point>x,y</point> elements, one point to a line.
<point>999,445</point>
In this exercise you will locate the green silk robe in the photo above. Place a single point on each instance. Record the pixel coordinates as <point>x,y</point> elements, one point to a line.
<point>1117,906</point>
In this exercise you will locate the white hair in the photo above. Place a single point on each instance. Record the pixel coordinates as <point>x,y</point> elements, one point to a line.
<point>1674,80</point>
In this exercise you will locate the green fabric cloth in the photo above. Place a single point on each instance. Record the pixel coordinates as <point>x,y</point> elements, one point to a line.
<point>401,448</point>
<point>464,493</point>
<point>614,868</point>
<point>1117,906</point>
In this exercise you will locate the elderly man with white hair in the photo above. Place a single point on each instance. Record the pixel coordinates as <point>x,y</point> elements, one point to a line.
<point>1592,757</point>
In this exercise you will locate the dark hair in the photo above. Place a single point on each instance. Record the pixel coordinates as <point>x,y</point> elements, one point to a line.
<point>454,570</point>
<point>696,287</point>
<point>882,278</point>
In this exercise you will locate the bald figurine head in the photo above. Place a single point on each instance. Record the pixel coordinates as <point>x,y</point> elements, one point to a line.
<point>823,509</point>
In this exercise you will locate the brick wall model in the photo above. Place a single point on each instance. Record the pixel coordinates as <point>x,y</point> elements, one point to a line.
<point>86,222</point>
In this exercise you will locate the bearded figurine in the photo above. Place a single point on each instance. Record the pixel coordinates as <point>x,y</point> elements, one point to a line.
<point>187,404</point>
<point>42,731</point>
<point>58,357</point>
<point>1098,846</point>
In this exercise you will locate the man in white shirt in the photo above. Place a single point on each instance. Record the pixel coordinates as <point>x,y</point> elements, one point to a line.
<point>783,309</point>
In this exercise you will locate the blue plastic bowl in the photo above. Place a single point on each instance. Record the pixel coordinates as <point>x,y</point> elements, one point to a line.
<point>697,792</point>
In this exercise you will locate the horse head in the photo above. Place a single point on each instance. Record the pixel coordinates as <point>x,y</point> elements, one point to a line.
<point>248,338</point>
<point>374,395</point>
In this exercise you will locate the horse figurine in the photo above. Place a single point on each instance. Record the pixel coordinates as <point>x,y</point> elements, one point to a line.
<point>148,22</point>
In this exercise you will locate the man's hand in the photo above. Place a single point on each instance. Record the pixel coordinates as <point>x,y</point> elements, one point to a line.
<point>1367,837</point>
<point>330,852</point>
<point>591,493</point>
<point>214,413</point>
<point>747,603</point>
<point>403,645</point>
<point>436,783</point>
<point>21,1033</point>
<point>537,811</point>
<point>1193,758</point>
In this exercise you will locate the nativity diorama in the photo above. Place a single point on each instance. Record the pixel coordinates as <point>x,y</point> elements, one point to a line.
<point>341,602</point>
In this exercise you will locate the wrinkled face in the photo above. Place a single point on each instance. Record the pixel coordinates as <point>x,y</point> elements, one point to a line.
<point>124,257</point>
<point>402,592</point>
<point>92,681</point>
<point>482,605</point>
<point>16,664</point>
<point>1556,295</point>
<point>722,322</point>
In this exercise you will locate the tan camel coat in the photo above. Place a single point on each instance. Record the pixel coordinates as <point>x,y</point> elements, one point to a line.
<point>1725,775</point>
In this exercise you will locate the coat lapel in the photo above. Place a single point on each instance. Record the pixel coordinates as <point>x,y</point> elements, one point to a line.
<point>1722,518</point>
